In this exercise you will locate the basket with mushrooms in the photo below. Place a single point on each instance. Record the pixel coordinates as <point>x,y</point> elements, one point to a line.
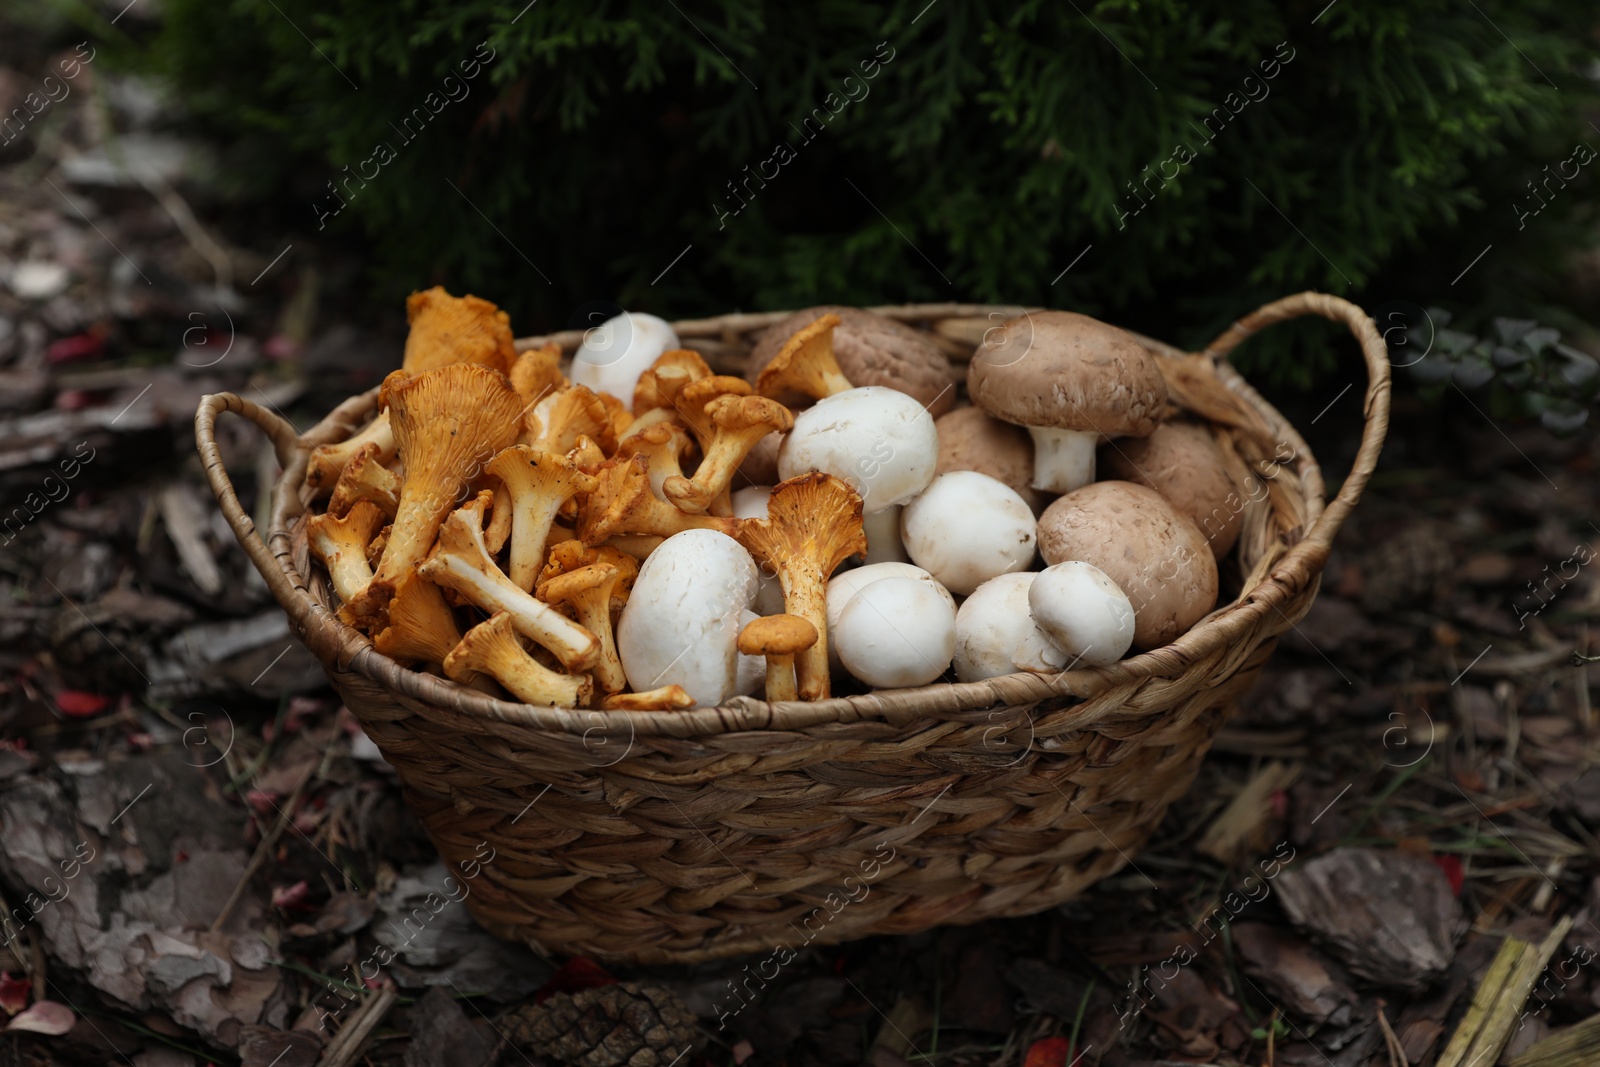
<point>802,586</point>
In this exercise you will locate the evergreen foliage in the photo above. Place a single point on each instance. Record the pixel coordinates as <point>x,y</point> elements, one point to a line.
<point>1208,155</point>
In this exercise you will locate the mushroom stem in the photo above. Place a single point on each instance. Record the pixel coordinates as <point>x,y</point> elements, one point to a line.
<point>781,683</point>
<point>327,462</point>
<point>779,638</point>
<point>1063,460</point>
<point>589,589</point>
<point>539,483</point>
<point>883,536</point>
<point>492,647</point>
<point>461,562</point>
<point>666,698</point>
<point>341,544</point>
<point>738,422</point>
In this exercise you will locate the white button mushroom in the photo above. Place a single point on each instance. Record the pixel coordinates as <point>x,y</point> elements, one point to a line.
<point>615,353</point>
<point>879,441</point>
<point>883,536</point>
<point>1083,612</point>
<point>995,634</point>
<point>681,624</point>
<point>897,632</point>
<point>966,528</point>
<point>846,584</point>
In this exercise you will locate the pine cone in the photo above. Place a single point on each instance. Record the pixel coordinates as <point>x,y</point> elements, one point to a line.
<point>626,1025</point>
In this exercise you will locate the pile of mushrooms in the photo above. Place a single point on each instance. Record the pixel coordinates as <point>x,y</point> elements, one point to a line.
<point>630,530</point>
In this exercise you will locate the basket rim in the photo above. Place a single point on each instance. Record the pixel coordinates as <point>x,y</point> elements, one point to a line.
<point>1296,566</point>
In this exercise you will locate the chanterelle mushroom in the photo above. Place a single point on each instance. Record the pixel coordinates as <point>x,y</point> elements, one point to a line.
<point>966,528</point>
<point>341,545</point>
<point>448,423</point>
<point>870,350</point>
<point>737,423</point>
<point>1183,463</point>
<point>622,503</point>
<point>1070,379</point>
<point>493,648</point>
<point>420,624</point>
<point>681,624</point>
<point>805,365</point>
<point>897,632</point>
<point>589,591</point>
<point>446,329</point>
<point>538,483</point>
<point>327,462</point>
<point>537,373</point>
<point>970,439</point>
<point>565,417</point>
<point>663,446</point>
<point>366,478</point>
<point>779,638</point>
<point>1154,555</point>
<point>460,561</point>
<point>614,353</point>
<point>813,524</point>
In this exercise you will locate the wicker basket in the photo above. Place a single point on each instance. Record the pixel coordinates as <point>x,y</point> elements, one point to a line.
<point>683,836</point>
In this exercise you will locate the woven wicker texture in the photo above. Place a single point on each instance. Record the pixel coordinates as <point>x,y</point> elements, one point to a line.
<point>682,836</point>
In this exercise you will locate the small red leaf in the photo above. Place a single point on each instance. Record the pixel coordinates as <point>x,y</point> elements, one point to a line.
<point>576,974</point>
<point>45,1017</point>
<point>1049,1052</point>
<point>292,896</point>
<point>14,992</point>
<point>78,346</point>
<point>80,705</point>
<point>1451,866</point>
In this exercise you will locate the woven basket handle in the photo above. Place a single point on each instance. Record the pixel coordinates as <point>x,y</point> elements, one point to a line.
<point>1312,552</point>
<point>286,442</point>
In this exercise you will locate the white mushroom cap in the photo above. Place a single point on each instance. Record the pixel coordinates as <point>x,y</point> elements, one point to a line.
<point>897,632</point>
<point>995,634</point>
<point>681,623</point>
<point>615,353</point>
<point>966,528</point>
<point>1083,612</point>
<point>878,440</point>
<point>846,584</point>
<point>751,502</point>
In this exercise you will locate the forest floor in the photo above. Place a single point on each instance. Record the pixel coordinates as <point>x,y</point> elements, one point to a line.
<point>198,840</point>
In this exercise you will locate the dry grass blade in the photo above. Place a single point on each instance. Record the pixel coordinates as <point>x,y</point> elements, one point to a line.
<point>1496,1006</point>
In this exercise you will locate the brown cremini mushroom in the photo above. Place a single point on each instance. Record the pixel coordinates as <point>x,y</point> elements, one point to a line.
<point>446,329</point>
<point>970,439</point>
<point>493,648</point>
<point>870,350</point>
<point>340,542</point>
<point>448,423</point>
<point>666,698</point>
<point>1152,552</point>
<point>737,423</point>
<point>461,561</point>
<point>539,483</point>
<point>780,638</point>
<point>623,504</point>
<point>366,478</point>
<point>805,364</point>
<point>1071,380</point>
<point>327,462</point>
<point>813,524</point>
<point>1183,463</point>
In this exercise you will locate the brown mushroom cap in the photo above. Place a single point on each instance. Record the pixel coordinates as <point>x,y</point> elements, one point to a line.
<point>871,350</point>
<point>1154,554</point>
<point>970,439</point>
<point>1183,463</point>
<point>777,635</point>
<point>1067,371</point>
